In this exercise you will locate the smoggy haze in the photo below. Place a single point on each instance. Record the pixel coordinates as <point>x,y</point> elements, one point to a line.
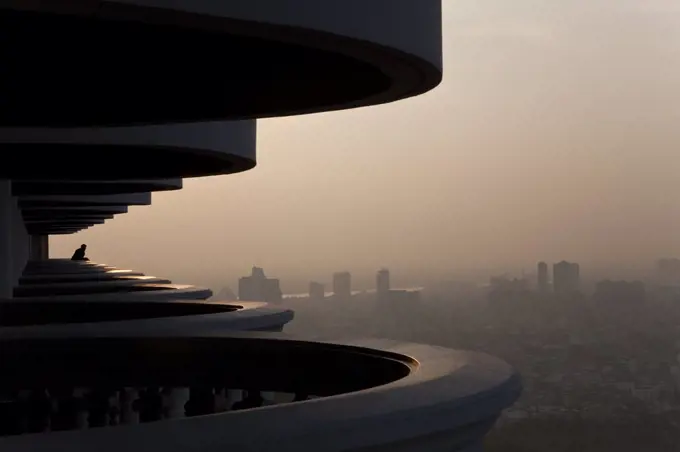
<point>555,134</point>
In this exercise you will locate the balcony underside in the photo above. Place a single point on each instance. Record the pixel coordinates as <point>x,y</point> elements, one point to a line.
<point>91,187</point>
<point>184,63</point>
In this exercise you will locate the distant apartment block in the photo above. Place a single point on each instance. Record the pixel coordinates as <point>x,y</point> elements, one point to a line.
<point>382,283</point>
<point>317,291</point>
<point>342,284</point>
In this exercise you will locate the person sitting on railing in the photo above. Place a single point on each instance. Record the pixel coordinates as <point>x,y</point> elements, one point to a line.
<point>79,254</point>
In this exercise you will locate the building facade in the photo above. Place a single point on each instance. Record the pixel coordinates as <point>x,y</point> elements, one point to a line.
<point>128,97</point>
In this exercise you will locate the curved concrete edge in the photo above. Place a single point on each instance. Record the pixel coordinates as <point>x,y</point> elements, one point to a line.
<point>75,210</point>
<point>85,220</point>
<point>87,285</point>
<point>167,292</point>
<point>65,261</point>
<point>411,26</point>
<point>251,316</point>
<point>448,402</point>
<point>129,199</point>
<point>66,271</point>
<point>233,138</point>
<point>62,264</point>
<point>65,231</point>
<point>71,277</point>
<point>22,188</point>
<point>402,39</point>
<point>49,228</point>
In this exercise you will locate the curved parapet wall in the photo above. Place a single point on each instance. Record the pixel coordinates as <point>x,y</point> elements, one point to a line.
<point>130,199</point>
<point>68,211</point>
<point>146,317</point>
<point>53,226</point>
<point>141,292</point>
<point>164,61</point>
<point>65,230</point>
<point>45,219</point>
<point>70,218</point>
<point>86,280</point>
<point>72,293</point>
<point>374,395</point>
<point>91,288</point>
<point>91,187</point>
<point>47,214</point>
<point>63,266</point>
<point>118,153</point>
<point>62,262</point>
<point>47,278</point>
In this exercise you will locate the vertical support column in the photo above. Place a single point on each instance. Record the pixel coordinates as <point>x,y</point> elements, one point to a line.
<point>40,247</point>
<point>45,249</point>
<point>6,252</point>
<point>20,242</point>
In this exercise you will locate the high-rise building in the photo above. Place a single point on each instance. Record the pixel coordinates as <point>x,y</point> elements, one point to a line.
<point>542,277</point>
<point>257,287</point>
<point>382,282</point>
<point>342,285</point>
<point>126,97</point>
<point>566,278</point>
<point>317,291</point>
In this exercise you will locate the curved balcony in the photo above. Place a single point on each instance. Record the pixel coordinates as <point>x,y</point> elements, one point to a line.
<point>142,292</point>
<point>164,317</point>
<point>101,298</point>
<point>21,188</point>
<point>64,279</point>
<point>107,275</point>
<point>130,199</point>
<point>186,150</point>
<point>63,266</point>
<point>120,284</point>
<point>367,395</point>
<point>169,61</point>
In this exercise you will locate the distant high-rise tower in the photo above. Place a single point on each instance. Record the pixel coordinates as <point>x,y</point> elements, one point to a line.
<point>566,278</point>
<point>382,281</point>
<point>257,287</point>
<point>342,284</point>
<point>317,291</point>
<point>542,277</point>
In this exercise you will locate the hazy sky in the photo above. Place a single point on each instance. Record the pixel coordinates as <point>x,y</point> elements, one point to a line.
<point>555,134</point>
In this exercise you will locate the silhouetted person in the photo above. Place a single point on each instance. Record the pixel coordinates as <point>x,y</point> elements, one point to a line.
<point>79,254</point>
